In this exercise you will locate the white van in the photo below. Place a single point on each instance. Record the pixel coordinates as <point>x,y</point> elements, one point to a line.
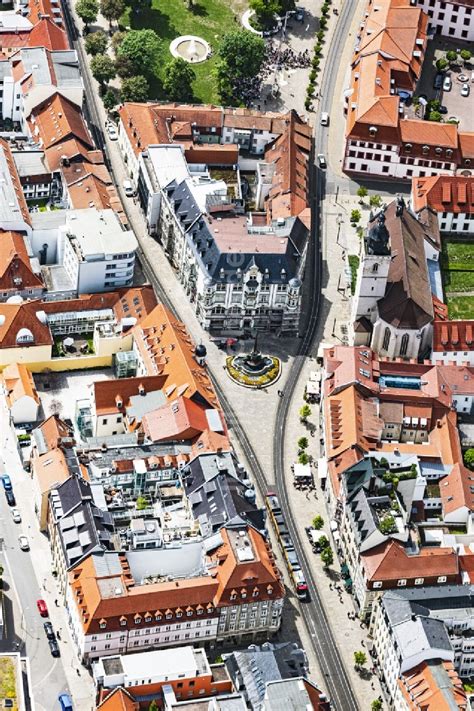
<point>325,119</point>
<point>128,188</point>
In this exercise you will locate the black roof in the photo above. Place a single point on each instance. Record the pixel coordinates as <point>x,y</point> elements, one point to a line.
<point>220,266</point>
<point>218,495</point>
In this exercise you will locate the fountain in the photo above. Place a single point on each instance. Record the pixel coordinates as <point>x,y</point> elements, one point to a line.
<point>190,48</point>
<point>253,370</point>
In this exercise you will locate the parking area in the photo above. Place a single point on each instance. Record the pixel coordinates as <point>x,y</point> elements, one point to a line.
<point>60,391</point>
<point>457,106</point>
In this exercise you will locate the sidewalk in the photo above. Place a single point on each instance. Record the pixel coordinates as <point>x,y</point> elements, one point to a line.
<point>80,687</point>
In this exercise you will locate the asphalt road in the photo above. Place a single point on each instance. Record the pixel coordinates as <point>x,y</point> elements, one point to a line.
<point>336,678</point>
<point>329,659</point>
<point>25,628</point>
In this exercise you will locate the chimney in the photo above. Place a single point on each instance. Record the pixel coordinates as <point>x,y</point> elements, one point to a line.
<point>400,206</point>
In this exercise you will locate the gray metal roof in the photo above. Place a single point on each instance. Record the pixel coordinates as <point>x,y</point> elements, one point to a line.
<point>183,561</point>
<point>218,494</point>
<point>208,254</point>
<point>30,163</point>
<point>287,695</point>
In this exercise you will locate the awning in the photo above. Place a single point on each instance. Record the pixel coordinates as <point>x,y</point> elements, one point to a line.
<point>322,468</point>
<point>302,471</point>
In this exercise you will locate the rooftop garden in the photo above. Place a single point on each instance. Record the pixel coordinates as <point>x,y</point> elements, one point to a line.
<point>8,681</point>
<point>432,491</point>
<point>83,345</point>
<point>457,264</point>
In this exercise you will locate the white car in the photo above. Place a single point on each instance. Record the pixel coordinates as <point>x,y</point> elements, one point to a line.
<point>322,161</point>
<point>112,131</point>
<point>465,90</point>
<point>128,188</point>
<point>16,515</point>
<point>447,84</point>
<point>24,544</point>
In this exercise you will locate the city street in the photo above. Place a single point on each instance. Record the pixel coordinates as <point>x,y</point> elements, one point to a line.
<point>257,431</point>
<point>27,578</point>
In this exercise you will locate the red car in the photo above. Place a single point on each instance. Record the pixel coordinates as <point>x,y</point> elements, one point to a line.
<point>42,607</point>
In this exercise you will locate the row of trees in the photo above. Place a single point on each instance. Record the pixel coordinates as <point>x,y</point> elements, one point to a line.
<point>112,10</point>
<point>318,50</point>
<point>452,57</point>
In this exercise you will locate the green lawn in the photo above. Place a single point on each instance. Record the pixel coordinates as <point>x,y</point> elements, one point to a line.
<point>457,264</point>
<point>209,19</point>
<point>460,307</point>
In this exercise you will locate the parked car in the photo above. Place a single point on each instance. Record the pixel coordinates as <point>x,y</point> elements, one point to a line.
<point>10,497</point>
<point>65,702</point>
<point>465,90</point>
<point>128,188</point>
<point>322,161</point>
<point>16,515</point>
<point>48,628</point>
<point>438,81</point>
<point>447,84</point>
<point>112,131</point>
<point>24,543</point>
<point>7,482</point>
<point>54,647</point>
<point>42,608</point>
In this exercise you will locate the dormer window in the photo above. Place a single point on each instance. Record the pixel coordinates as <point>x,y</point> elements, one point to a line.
<point>438,150</point>
<point>255,592</point>
<point>233,595</point>
<point>269,589</point>
<point>449,152</point>
<point>24,335</point>
<point>148,618</point>
<point>243,593</point>
<point>137,619</point>
<point>103,624</point>
<point>123,621</point>
<point>425,150</point>
<point>210,609</point>
<point>408,147</point>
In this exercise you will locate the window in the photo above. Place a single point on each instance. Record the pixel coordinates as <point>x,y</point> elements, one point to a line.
<point>377,584</point>
<point>401,583</point>
<point>441,579</point>
<point>404,344</point>
<point>419,581</point>
<point>138,620</point>
<point>104,420</point>
<point>375,268</point>
<point>103,625</point>
<point>386,339</point>
<point>119,418</point>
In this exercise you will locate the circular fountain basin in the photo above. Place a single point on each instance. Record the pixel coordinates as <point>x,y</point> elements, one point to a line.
<point>190,48</point>
<point>259,372</point>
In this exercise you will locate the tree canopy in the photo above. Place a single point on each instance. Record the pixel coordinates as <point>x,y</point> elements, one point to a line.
<point>112,9</point>
<point>102,68</point>
<point>87,10</point>
<point>141,46</point>
<point>178,80</point>
<point>243,53</point>
<point>96,42</point>
<point>134,89</point>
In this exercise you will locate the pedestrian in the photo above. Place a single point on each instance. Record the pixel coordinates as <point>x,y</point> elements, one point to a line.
<point>362,642</point>
<point>56,602</point>
<point>78,672</point>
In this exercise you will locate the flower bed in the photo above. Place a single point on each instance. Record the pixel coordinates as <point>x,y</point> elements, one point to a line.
<point>255,381</point>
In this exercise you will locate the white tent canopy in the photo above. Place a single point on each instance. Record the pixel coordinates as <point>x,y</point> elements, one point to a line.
<point>302,471</point>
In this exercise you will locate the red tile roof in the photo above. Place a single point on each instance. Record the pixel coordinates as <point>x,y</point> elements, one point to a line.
<point>433,686</point>
<point>22,319</point>
<point>390,562</point>
<point>444,193</point>
<point>455,490</point>
<point>16,273</point>
<point>57,120</point>
<point>118,700</point>
<point>46,33</point>
<point>13,41</point>
<point>179,419</point>
<point>453,336</point>
<point>113,396</point>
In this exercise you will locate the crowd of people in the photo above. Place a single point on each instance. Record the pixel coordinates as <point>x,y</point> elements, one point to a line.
<point>250,90</point>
